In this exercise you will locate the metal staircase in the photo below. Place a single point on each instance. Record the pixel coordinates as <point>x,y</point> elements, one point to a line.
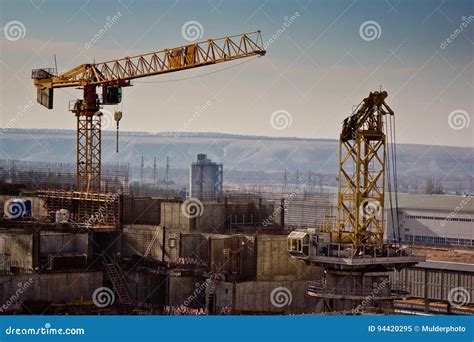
<point>152,242</point>
<point>118,282</point>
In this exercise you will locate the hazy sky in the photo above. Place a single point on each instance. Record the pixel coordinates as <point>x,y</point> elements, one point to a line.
<point>321,65</point>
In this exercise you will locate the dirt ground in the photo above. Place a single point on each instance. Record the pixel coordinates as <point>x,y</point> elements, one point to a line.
<point>445,254</point>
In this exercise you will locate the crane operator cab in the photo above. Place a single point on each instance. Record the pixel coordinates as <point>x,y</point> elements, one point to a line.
<point>298,244</point>
<point>306,243</point>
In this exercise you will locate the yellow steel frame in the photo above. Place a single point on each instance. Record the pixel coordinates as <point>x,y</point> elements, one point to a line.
<point>362,175</point>
<point>120,72</point>
<point>88,152</point>
<point>95,209</point>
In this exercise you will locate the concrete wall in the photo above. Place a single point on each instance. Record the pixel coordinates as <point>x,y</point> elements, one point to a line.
<point>59,243</point>
<point>223,297</point>
<point>172,217</point>
<point>194,245</point>
<point>16,250</point>
<point>148,287</point>
<point>274,263</point>
<point>141,210</point>
<point>244,245</point>
<point>257,297</point>
<point>184,289</point>
<point>212,218</point>
<point>137,239</point>
<point>255,212</point>
<point>55,287</point>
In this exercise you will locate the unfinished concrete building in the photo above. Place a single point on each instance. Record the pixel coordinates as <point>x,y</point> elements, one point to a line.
<point>156,257</point>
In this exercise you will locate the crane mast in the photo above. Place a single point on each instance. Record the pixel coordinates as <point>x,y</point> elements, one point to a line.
<point>362,157</point>
<point>352,252</point>
<point>113,75</point>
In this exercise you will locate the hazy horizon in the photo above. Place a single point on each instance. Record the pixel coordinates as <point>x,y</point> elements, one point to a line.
<point>322,59</point>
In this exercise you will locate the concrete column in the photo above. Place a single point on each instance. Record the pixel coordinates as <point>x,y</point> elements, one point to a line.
<point>427,301</point>
<point>36,249</point>
<point>282,214</point>
<point>90,246</point>
<point>226,214</point>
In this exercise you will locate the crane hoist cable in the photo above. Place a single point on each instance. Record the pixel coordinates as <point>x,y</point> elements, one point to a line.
<point>201,75</point>
<point>389,181</point>
<point>395,178</point>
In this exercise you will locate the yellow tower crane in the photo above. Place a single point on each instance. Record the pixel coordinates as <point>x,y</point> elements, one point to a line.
<point>362,156</point>
<point>113,75</point>
<point>353,252</point>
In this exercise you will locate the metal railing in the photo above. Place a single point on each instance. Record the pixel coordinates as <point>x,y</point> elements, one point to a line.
<point>384,289</point>
<point>349,251</point>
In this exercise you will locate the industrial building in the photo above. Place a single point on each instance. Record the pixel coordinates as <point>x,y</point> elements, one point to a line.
<point>438,220</point>
<point>205,178</point>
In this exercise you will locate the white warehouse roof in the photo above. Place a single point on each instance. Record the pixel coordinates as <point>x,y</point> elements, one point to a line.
<point>464,204</point>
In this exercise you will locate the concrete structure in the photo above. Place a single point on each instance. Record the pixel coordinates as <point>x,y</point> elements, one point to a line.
<point>205,178</point>
<point>193,216</point>
<point>48,287</point>
<point>229,255</point>
<point>143,241</point>
<point>26,251</point>
<point>275,264</point>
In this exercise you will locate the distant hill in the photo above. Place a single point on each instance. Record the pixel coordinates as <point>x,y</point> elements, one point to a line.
<point>453,166</point>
